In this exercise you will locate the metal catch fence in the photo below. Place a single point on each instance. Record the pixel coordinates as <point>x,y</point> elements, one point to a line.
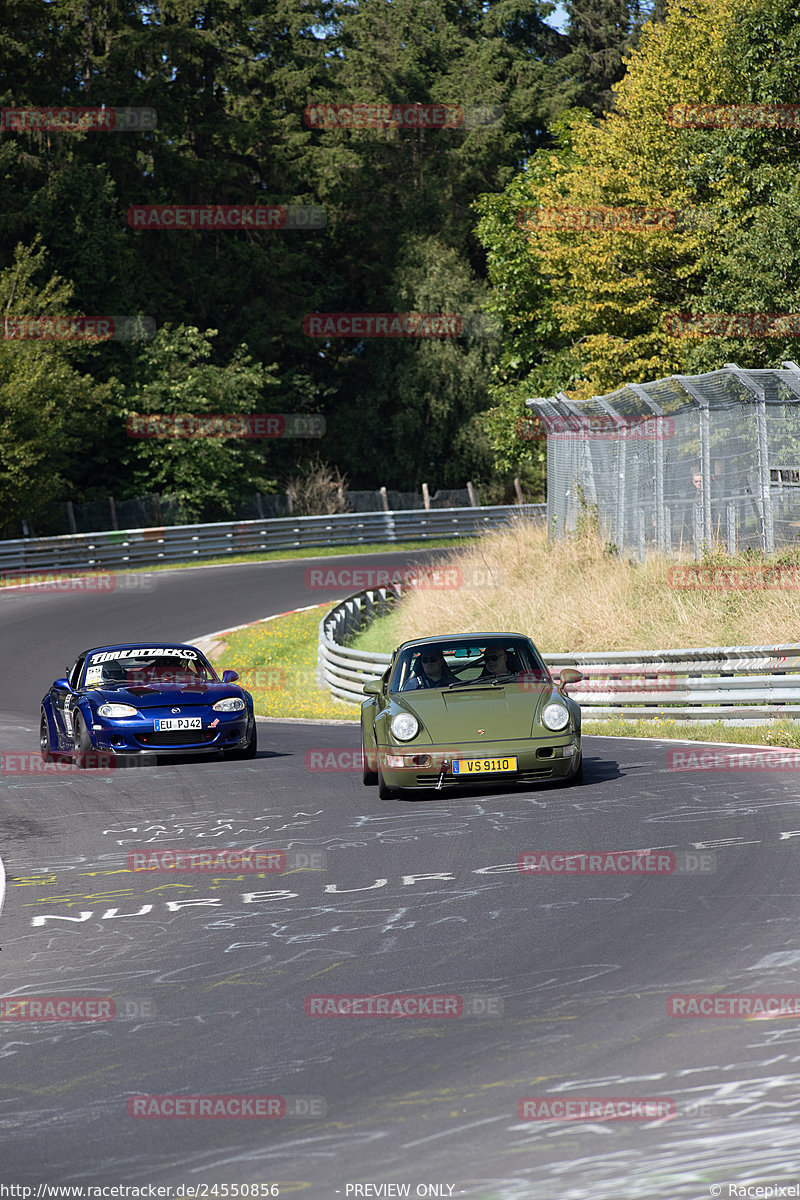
<point>680,463</point>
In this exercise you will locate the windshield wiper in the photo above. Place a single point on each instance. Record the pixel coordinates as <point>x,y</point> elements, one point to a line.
<point>481,682</point>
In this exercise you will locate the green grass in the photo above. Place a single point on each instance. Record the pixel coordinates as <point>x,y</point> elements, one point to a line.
<point>282,654</point>
<point>381,637</point>
<point>773,733</point>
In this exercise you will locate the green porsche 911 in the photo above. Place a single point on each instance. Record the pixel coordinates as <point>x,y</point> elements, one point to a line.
<point>469,708</point>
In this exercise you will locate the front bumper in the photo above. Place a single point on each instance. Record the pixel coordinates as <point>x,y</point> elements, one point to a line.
<point>538,760</point>
<point>129,738</point>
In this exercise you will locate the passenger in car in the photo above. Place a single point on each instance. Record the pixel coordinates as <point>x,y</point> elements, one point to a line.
<point>497,662</point>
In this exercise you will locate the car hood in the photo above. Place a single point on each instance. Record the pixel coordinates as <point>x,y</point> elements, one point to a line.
<point>154,697</point>
<point>501,711</point>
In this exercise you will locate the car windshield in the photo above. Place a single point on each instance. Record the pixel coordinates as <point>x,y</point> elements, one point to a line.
<point>449,664</point>
<point>157,669</point>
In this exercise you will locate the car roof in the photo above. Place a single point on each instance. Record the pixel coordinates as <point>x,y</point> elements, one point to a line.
<point>460,637</point>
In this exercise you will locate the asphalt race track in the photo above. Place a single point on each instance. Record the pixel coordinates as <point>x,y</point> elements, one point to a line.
<point>562,982</point>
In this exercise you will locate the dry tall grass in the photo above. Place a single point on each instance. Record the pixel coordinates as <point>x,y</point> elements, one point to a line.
<point>572,595</point>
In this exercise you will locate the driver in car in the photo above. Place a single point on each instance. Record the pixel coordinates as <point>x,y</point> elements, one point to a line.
<point>431,671</point>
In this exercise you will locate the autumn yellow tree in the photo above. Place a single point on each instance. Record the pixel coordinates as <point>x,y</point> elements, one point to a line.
<point>603,297</point>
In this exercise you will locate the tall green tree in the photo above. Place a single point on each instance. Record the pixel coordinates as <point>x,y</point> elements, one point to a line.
<point>47,397</point>
<point>176,376</point>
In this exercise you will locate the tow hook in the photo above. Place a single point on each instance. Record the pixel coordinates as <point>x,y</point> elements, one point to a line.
<point>442,769</point>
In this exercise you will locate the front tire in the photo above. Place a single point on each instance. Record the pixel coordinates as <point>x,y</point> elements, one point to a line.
<point>44,740</point>
<point>248,751</point>
<point>384,791</point>
<point>83,743</point>
<point>368,777</point>
<point>576,777</point>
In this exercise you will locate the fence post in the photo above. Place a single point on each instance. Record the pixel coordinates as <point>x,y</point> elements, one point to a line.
<point>426,496</point>
<point>73,528</point>
<point>384,499</point>
<point>471,494</point>
<point>705,459</point>
<point>730,513</point>
<point>661,539</point>
<point>767,521</point>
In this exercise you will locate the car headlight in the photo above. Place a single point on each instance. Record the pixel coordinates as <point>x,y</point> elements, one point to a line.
<point>404,726</point>
<point>555,716</point>
<point>117,710</point>
<point>230,704</point>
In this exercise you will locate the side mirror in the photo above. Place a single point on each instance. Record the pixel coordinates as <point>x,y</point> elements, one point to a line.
<point>62,685</point>
<point>230,676</point>
<point>569,675</point>
<point>373,688</point>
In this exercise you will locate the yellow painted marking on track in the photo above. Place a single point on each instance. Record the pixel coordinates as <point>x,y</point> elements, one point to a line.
<point>110,871</point>
<point>77,898</point>
<point>324,971</point>
<point>63,1085</point>
<point>236,982</point>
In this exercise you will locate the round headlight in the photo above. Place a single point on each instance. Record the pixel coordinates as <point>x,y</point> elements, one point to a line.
<point>404,726</point>
<point>117,710</point>
<point>230,704</point>
<point>555,716</point>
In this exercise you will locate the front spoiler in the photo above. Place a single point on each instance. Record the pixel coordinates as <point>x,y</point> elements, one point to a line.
<point>553,767</point>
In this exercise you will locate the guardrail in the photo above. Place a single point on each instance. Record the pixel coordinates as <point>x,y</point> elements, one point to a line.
<point>179,543</point>
<point>733,684</point>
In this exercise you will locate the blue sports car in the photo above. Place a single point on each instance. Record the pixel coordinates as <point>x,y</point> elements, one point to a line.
<point>131,702</point>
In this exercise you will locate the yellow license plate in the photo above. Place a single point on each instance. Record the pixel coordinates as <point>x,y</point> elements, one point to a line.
<point>483,766</point>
